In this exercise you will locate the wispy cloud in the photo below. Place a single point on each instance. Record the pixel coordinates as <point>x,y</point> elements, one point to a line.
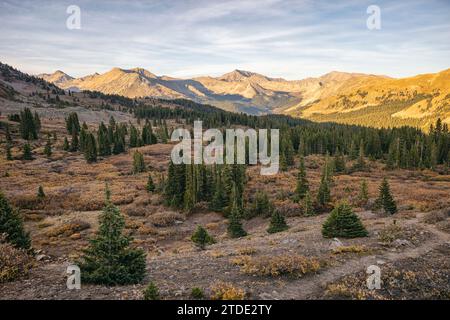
<point>280,38</point>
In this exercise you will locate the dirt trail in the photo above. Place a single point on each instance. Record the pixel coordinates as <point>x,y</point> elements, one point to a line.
<point>305,288</point>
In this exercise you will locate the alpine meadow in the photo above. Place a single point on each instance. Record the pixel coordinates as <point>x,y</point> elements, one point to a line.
<point>288,182</point>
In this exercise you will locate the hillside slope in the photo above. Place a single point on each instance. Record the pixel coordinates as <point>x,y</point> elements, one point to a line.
<point>353,98</point>
<point>382,102</point>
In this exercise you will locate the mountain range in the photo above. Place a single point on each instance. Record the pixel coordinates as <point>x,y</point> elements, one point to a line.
<point>355,98</point>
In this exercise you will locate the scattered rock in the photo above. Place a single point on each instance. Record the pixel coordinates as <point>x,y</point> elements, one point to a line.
<point>265,296</point>
<point>42,257</point>
<point>178,293</point>
<point>287,241</point>
<point>335,243</point>
<point>75,236</point>
<point>400,243</point>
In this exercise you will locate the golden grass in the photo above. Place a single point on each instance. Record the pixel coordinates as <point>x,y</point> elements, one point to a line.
<point>67,229</point>
<point>350,249</point>
<point>275,266</point>
<point>226,291</point>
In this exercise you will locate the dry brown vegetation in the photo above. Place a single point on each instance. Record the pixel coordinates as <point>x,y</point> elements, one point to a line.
<point>425,277</point>
<point>14,263</point>
<point>226,291</point>
<point>274,266</point>
<point>253,267</point>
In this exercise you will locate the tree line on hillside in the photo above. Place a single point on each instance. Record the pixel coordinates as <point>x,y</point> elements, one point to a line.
<point>404,147</point>
<point>112,139</point>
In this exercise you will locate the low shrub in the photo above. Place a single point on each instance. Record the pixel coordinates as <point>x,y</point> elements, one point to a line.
<point>444,225</point>
<point>146,230</point>
<point>197,293</point>
<point>435,217</point>
<point>14,263</point>
<point>133,211</point>
<point>390,233</point>
<point>226,291</point>
<point>275,266</point>
<point>248,251</point>
<point>201,238</point>
<point>277,223</point>
<point>151,292</point>
<point>341,291</point>
<point>165,219</point>
<point>350,249</point>
<point>68,229</point>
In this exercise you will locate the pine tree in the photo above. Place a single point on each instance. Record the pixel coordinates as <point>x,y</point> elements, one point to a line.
<point>133,137</point>
<point>287,149</point>
<point>175,185</point>
<point>165,131</point>
<point>104,145</point>
<point>138,162</point>
<point>235,229</point>
<point>8,151</point>
<point>302,182</point>
<point>27,155</point>
<point>8,134</point>
<point>262,205</point>
<point>329,168</point>
<point>66,146</point>
<point>385,198</point>
<point>74,144</point>
<point>189,192</point>
<point>28,129</point>
<point>339,162</point>
<point>48,148</point>
<point>83,138</point>
<point>162,133</point>
<point>37,122</point>
<point>219,200</point>
<point>40,193</point>
<point>308,209</point>
<point>353,151</point>
<point>302,152</point>
<point>109,259</point>
<point>201,237</point>
<point>360,163</point>
<point>150,187</point>
<point>391,161</point>
<point>90,148</point>
<point>72,123</point>
<point>118,141</point>
<point>343,222</point>
<point>323,195</point>
<point>11,224</point>
<point>205,183</point>
<point>234,179</point>
<point>283,162</point>
<point>363,196</point>
<point>277,223</point>
<point>148,136</point>
<point>433,156</point>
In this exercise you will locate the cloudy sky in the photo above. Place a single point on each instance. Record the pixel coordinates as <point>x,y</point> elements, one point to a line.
<point>293,39</point>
